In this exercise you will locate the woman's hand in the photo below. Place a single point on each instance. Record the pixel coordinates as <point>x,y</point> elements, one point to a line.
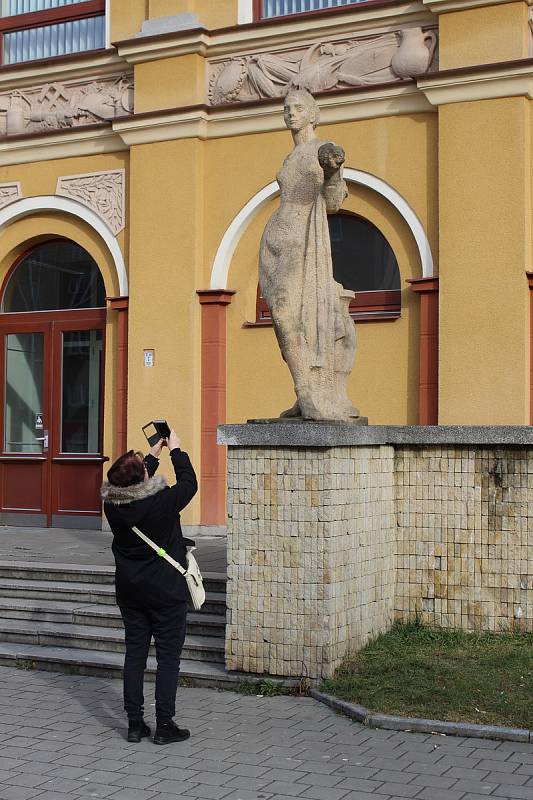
<point>155,450</point>
<point>173,441</point>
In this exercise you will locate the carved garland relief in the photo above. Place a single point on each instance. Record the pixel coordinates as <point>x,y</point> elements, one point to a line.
<point>65,105</point>
<point>9,192</point>
<point>103,192</point>
<point>323,66</point>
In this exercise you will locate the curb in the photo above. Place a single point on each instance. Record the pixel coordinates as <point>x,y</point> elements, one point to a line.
<point>417,725</point>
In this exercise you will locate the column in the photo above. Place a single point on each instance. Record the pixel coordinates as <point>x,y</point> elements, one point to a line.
<point>428,290</point>
<point>213,401</point>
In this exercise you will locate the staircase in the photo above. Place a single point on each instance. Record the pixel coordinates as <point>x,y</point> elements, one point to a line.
<point>64,618</point>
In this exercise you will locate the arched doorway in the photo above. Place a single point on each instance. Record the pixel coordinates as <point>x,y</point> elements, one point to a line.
<point>52,327</point>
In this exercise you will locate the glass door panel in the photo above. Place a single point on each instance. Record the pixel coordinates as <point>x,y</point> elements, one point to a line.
<point>24,407</point>
<point>81,376</point>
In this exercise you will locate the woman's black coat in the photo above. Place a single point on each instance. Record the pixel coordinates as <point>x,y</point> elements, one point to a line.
<point>143,579</point>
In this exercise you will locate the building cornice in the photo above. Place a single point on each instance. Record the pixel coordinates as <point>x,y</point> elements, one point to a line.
<point>66,143</point>
<point>274,33</point>
<point>97,63</point>
<point>445,6</point>
<point>213,122</point>
<point>484,82</point>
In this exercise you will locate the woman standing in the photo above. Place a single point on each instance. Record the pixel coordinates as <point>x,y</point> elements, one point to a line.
<point>151,594</point>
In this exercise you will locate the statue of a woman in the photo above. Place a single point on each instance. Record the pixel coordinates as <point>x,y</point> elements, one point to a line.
<point>309,308</point>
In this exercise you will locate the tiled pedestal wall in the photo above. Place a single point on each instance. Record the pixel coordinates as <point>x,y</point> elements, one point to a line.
<point>465,536</point>
<point>311,556</point>
<point>334,531</point>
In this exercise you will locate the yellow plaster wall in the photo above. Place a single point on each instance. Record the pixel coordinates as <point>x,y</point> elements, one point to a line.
<point>485,248</point>
<point>212,13</point>
<point>166,250</point>
<point>169,83</point>
<point>127,17</point>
<point>484,35</point>
<point>385,380</point>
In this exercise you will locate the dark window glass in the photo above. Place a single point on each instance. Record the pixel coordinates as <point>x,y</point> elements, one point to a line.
<point>55,275</point>
<point>363,260</point>
<point>81,376</point>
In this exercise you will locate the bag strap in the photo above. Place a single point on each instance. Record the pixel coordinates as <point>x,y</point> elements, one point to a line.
<point>159,550</point>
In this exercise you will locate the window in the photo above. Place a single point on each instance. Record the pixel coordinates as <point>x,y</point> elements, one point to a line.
<point>364,262</point>
<point>55,275</point>
<point>34,29</point>
<point>267,9</point>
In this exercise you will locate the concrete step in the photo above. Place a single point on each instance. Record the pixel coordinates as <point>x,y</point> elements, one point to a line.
<point>74,573</point>
<point>107,664</point>
<point>198,622</point>
<point>69,591</point>
<point>98,638</point>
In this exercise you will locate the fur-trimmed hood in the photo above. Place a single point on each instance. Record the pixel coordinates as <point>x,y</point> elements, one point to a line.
<point>121,495</point>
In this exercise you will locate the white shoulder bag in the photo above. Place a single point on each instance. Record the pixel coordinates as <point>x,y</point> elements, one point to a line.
<point>192,574</point>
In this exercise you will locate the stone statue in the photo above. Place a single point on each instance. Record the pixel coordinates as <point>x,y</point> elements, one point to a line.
<point>309,308</point>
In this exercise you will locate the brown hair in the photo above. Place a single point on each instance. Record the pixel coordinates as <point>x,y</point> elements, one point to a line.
<point>127,470</point>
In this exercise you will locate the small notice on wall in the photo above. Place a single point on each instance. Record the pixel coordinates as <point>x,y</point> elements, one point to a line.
<point>148,358</point>
<point>38,422</point>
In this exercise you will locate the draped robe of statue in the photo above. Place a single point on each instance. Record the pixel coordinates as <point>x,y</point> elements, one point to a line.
<point>309,308</point>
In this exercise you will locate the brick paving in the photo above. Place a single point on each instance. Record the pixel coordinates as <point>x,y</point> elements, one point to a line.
<point>64,736</point>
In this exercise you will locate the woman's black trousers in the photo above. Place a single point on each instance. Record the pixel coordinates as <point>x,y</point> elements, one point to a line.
<point>167,626</point>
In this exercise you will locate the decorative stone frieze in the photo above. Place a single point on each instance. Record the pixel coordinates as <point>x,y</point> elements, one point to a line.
<point>103,192</point>
<point>323,65</point>
<point>9,192</point>
<point>67,104</point>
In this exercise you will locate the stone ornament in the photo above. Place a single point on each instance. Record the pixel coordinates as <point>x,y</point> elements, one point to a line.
<point>323,66</point>
<point>309,308</point>
<point>103,192</point>
<point>57,105</point>
<point>9,192</point>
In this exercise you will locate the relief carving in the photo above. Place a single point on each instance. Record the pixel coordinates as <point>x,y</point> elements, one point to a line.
<point>103,192</point>
<point>9,192</point>
<point>323,66</point>
<point>65,105</point>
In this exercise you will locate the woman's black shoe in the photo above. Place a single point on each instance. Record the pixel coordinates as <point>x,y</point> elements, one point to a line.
<point>137,729</point>
<point>168,732</point>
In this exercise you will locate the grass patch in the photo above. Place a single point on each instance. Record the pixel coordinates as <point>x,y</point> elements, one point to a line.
<point>434,673</point>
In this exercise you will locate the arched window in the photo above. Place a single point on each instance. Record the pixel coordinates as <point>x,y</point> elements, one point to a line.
<point>364,262</point>
<point>55,275</point>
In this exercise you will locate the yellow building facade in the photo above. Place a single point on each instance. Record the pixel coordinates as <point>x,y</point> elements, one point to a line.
<point>137,172</point>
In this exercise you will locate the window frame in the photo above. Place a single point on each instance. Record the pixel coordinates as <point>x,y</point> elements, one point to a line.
<point>257,10</point>
<point>46,17</point>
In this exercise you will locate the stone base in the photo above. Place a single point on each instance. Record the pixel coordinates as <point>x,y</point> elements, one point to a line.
<point>334,531</point>
<point>301,421</point>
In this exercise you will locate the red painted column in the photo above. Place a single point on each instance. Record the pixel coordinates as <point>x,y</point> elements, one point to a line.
<point>530,280</point>
<point>428,289</point>
<point>213,398</point>
<point>120,304</point>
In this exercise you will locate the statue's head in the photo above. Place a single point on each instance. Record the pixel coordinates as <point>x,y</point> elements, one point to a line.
<point>300,110</point>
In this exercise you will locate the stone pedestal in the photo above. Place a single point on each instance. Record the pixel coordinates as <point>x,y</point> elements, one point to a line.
<point>336,530</point>
<point>311,557</point>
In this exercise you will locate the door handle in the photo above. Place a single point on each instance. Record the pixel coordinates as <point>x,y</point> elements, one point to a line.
<point>44,440</point>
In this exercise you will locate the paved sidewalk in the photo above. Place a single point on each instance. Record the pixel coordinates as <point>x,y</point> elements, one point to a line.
<point>89,547</point>
<point>63,737</point>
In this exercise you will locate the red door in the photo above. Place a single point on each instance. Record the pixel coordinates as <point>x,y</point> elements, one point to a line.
<point>51,386</point>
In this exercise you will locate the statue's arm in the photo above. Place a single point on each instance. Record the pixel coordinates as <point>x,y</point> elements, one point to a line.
<point>331,158</point>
